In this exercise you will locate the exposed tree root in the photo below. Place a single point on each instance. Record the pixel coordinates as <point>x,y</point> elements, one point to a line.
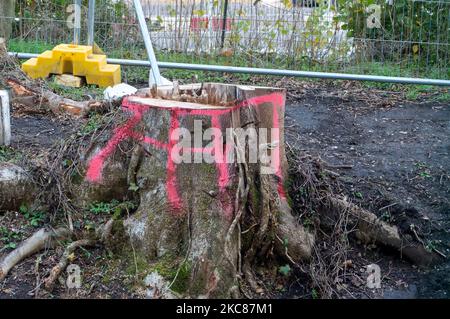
<point>293,240</point>
<point>372,229</point>
<point>40,240</point>
<point>65,259</point>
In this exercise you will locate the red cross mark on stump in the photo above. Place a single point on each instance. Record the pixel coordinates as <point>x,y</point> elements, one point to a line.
<point>128,130</point>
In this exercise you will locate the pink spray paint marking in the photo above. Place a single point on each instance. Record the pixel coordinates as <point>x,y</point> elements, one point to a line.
<point>126,131</point>
<point>95,167</point>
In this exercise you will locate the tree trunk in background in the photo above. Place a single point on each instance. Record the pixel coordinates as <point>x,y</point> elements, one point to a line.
<point>6,17</point>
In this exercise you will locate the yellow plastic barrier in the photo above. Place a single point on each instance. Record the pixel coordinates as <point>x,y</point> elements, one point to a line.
<point>78,60</point>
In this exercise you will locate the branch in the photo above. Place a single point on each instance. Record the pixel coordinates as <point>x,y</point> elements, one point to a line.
<point>59,268</point>
<point>40,240</point>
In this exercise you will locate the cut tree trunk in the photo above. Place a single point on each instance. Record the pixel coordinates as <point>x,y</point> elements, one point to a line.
<point>209,209</point>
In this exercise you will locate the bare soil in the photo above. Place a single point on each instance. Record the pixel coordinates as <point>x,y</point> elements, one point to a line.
<point>392,157</point>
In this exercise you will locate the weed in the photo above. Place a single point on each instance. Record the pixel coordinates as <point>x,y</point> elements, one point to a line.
<point>92,125</point>
<point>8,154</point>
<point>432,245</point>
<point>114,207</point>
<point>358,195</point>
<point>285,270</point>
<point>9,238</point>
<point>314,294</point>
<point>424,170</point>
<point>76,94</point>
<point>387,217</point>
<point>34,217</point>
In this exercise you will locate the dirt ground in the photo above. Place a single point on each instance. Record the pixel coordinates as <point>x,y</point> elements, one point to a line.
<point>393,158</point>
<point>390,156</point>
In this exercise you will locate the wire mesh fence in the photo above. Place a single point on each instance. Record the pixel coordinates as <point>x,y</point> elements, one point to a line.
<point>379,37</point>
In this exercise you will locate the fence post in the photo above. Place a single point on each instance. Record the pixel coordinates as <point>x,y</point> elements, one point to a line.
<point>91,23</point>
<point>224,23</point>
<point>5,119</point>
<point>77,27</point>
<point>148,42</point>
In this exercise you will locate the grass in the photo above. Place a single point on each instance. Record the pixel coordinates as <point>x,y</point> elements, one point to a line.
<point>76,94</point>
<point>16,45</point>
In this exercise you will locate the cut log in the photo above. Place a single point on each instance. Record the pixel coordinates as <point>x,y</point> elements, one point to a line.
<point>55,103</point>
<point>69,80</point>
<point>16,187</point>
<point>210,177</point>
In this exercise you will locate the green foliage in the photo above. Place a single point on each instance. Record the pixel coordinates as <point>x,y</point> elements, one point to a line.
<point>410,22</point>
<point>92,125</point>
<point>387,217</point>
<point>285,270</point>
<point>9,238</point>
<point>114,207</point>
<point>76,94</point>
<point>358,195</point>
<point>36,46</point>
<point>34,217</point>
<point>423,170</point>
<point>8,154</point>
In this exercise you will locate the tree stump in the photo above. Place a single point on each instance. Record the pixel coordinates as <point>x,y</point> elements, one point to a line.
<point>210,168</point>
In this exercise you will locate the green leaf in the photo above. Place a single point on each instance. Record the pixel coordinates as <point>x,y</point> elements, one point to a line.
<point>23,209</point>
<point>285,270</point>
<point>133,187</point>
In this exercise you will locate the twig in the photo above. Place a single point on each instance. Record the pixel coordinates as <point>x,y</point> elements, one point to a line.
<point>56,271</point>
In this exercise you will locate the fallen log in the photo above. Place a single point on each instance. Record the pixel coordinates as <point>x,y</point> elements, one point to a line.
<point>57,104</point>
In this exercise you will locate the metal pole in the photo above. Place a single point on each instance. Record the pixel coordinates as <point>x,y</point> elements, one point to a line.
<point>275,72</point>
<point>148,43</point>
<point>5,119</point>
<point>224,23</point>
<point>91,23</point>
<point>77,26</point>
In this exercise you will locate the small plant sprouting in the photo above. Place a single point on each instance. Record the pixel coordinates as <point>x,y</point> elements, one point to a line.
<point>114,207</point>
<point>8,154</point>
<point>424,170</point>
<point>387,217</point>
<point>34,217</point>
<point>9,238</point>
<point>92,125</point>
<point>358,195</point>
<point>285,270</point>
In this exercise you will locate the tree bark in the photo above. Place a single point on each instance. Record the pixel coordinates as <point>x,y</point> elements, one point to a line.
<point>210,209</point>
<point>7,12</point>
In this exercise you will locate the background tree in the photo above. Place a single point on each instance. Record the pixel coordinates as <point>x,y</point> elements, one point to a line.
<point>6,17</point>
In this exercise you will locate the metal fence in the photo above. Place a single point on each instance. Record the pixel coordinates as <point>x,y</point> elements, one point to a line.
<point>378,37</point>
